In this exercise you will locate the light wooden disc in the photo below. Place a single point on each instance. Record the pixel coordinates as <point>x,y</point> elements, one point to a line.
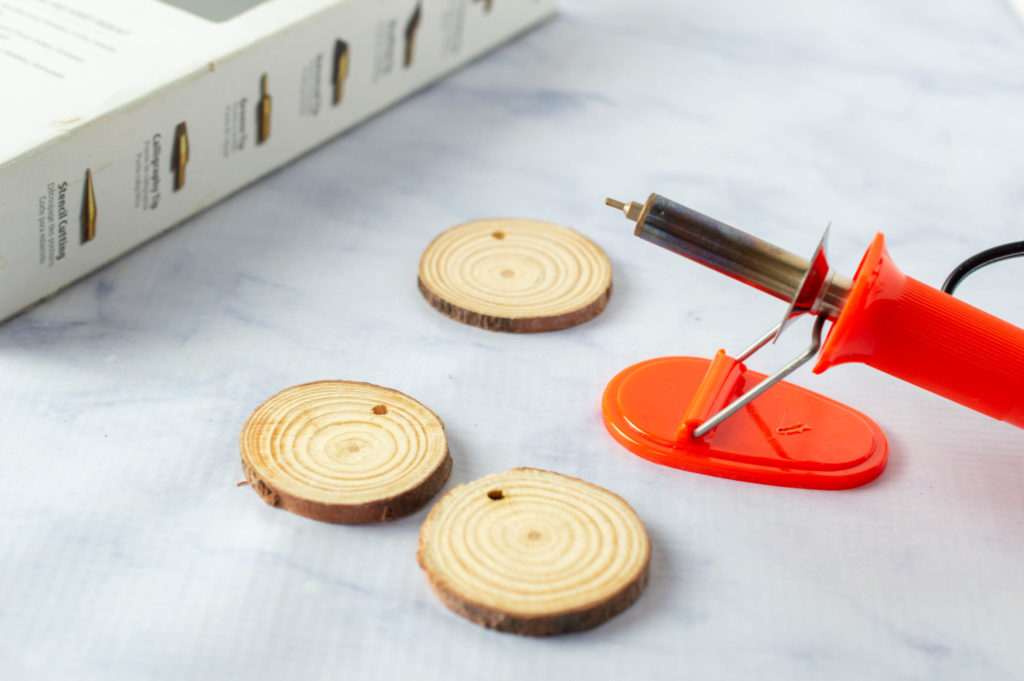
<point>534,552</point>
<point>515,275</point>
<point>345,452</point>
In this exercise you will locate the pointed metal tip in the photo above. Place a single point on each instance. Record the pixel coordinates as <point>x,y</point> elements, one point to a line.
<point>631,210</point>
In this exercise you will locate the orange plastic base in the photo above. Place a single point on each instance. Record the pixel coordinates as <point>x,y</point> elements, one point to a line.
<point>788,436</point>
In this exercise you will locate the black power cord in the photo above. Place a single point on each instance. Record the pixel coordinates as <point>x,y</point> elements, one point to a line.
<point>976,262</point>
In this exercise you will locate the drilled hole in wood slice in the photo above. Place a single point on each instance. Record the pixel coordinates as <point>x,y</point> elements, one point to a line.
<point>515,275</point>
<point>556,555</point>
<point>332,450</point>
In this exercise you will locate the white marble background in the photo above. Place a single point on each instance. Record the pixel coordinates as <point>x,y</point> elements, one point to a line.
<point>127,551</point>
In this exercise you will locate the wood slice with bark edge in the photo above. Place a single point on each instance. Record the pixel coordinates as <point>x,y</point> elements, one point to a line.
<point>515,275</point>
<point>345,452</point>
<point>534,552</point>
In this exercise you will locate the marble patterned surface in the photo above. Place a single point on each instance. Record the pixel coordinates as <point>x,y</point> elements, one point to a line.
<point>127,551</point>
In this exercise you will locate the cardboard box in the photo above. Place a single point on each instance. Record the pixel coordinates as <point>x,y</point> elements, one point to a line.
<point>123,119</point>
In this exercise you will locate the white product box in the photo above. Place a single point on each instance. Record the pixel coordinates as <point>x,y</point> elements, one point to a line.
<point>120,119</point>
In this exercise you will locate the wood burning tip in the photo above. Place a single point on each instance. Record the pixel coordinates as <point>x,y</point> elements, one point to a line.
<point>632,210</point>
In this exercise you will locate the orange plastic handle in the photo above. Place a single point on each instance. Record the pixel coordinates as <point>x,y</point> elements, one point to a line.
<point>918,333</point>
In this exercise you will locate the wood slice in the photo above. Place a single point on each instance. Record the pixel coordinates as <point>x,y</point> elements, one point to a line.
<point>345,452</point>
<point>534,552</point>
<point>515,275</point>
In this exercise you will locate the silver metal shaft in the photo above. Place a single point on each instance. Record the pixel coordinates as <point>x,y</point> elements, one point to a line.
<point>730,251</point>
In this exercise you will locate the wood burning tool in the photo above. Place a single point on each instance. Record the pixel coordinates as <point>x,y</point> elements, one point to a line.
<point>788,435</point>
<point>263,109</point>
<point>339,70</point>
<point>412,27</point>
<point>89,212</point>
<point>179,155</point>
